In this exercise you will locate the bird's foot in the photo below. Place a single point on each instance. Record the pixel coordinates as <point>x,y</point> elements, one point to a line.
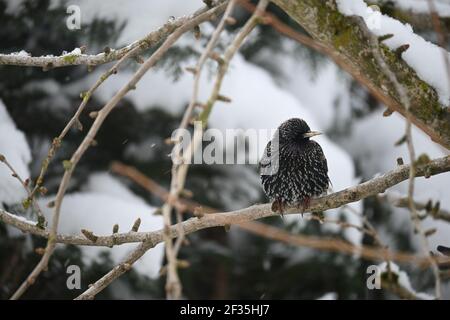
<point>278,206</point>
<point>304,204</point>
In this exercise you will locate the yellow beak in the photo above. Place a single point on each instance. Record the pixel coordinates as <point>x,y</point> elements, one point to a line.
<point>311,134</point>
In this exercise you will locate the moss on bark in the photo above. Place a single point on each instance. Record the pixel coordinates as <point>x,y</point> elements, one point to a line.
<point>343,34</point>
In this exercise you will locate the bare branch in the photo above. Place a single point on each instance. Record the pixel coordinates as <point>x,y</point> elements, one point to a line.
<point>173,285</point>
<point>406,102</point>
<point>194,207</point>
<point>26,186</point>
<point>349,44</point>
<point>334,245</point>
<point>324,203</point>
<point>403,202</point>
<point>71,59</point>
<point>442,38</point>
<point>87,141</point>
<point>335,200</point>
<point>150,239</point>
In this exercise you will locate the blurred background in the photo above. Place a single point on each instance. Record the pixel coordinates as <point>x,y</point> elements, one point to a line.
<point>270,80</point>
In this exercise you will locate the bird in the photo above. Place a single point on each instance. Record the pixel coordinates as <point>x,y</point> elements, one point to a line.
<point>293,168</point>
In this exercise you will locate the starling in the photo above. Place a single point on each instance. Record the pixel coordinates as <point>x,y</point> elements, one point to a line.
<point>293,168</point>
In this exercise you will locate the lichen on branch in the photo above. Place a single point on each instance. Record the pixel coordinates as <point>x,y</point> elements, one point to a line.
<point>349,43</point>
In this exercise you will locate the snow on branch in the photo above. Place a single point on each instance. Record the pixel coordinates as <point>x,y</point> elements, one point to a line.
<point>77,57</point>
<point>341,37</point>
<point>334,200</point>
<point>366,189</point>
<point>150,239</point>
<point>350,44</point>
<point>99,119</point>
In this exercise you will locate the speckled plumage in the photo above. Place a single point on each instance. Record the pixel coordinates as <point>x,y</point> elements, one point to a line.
<point>300,171</point>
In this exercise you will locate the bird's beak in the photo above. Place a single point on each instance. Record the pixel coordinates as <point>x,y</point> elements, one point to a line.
<point>311,134</point>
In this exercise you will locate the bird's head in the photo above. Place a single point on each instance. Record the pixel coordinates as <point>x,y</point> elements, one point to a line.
<point>295,130</point>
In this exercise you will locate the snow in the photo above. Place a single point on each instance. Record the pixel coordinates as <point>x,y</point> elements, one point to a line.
<point>258,102</point>
<point>21,53</point>
<point>433,72</point>
<point>372,142</point>
<point>146,15</point>
<point>329,296</point>
<point>403,279</point>
<point>253,92</point>
<point>76,51</point>
<point>421,6</point>
<point>273,105</point>
<point>326,93</point>
<point>21,218</point>
<point>103,202</point>
<point>14,146</point>
<point>154,89</point>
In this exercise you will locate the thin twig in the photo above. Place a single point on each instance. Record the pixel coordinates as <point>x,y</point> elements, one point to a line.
<point>87,141</point>
<point>173,284</point>
<point>181,164</point>
<point>374,234</point>
<point>403,202</point>
<point>195,224</point>
<point>26,186</point>
<point>183,205</point>
<point>109,55</point>
<point>442,39</point>
<point>123,55</point>
<point>331,201</point>
<point>404,99</point>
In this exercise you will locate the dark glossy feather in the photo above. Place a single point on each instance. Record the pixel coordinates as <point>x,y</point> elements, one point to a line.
<point>297,169</point>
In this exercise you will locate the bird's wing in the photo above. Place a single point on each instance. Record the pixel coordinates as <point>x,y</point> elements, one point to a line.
<point>265,160</point>
<point>322,160</point>
<point>269,163</point>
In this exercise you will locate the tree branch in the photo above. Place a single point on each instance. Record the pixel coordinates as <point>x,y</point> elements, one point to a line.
<point>343,36</point>
<point>173,284</point>
<point>87,141</point>
<point>150,239</point>
<point>335,200</point>
<point>366,189</point>
<point>71,59</point>
<point>406,102</point>
<point>430,209</point>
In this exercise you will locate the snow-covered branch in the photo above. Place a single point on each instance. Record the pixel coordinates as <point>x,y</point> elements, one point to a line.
<point>77,57</point>
<point>179,168</point>
<point>343,35</point>
<point>415,12</point>
<point>337,199</point>
<point>386,64</point>
<point>173,285</point>
<point>100,118</point>
<point>334,200</point>
<point>406,102</point>
<point>150,239</point>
